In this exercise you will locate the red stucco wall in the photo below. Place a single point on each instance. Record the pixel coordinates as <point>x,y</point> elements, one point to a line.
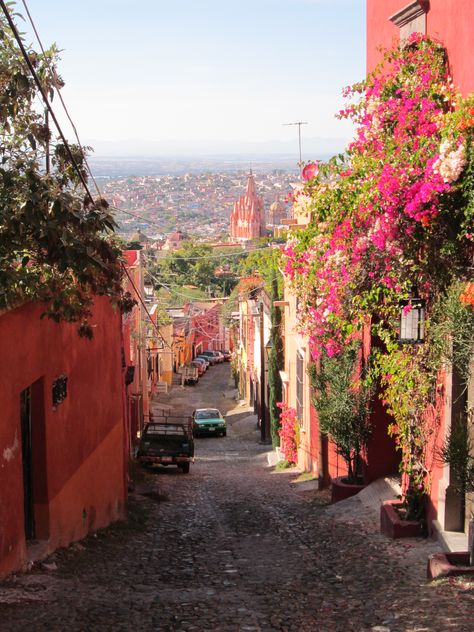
<point>78,454</point>
<point>449,21</point>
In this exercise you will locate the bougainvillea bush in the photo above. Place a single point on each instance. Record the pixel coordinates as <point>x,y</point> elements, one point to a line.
<point>288,433</point>
<point>391,217</point>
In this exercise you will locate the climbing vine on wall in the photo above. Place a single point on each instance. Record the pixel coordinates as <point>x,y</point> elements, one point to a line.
<point>391,216</point>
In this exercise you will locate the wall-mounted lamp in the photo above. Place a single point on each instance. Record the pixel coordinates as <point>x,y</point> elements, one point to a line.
<point>268,348</point>
<point>412,321</point>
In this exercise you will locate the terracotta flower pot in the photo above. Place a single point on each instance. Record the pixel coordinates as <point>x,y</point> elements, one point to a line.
<point>341,489</point>
<point>394,526</point>
<point>449,565</point>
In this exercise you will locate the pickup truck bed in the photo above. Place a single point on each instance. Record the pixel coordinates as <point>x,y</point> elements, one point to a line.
<point>168,441</point>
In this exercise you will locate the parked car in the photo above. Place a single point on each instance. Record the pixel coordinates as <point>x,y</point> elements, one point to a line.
<point>210,356</point>
<point>201,367</point>
<point>204,359</point>
<point>208,421</point>
<point>218,357</point>
<point>227,355</point>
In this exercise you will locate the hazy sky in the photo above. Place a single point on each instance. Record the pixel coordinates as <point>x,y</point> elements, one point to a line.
<point>227,71</point>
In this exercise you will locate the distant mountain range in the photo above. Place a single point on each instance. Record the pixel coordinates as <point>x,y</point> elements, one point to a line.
<point>137,158</point>
<point>311,147</point>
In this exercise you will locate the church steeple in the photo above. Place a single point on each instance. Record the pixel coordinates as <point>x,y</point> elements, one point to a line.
<point>251,191</point>
<point>247,220</point>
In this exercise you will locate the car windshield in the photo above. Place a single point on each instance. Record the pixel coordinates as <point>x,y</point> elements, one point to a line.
<point>207,414</point>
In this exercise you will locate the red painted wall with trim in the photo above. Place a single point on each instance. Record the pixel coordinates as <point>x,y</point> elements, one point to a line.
<point>447,21</point>
<point>79,451</point>
<point>451,24</point>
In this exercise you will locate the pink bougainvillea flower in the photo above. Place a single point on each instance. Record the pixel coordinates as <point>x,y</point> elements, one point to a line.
<point>310,171</point>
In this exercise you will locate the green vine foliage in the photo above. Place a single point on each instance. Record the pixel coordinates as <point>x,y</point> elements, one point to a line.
<point>275,365</point>
<point>459,453</point>
<point>411,376</point>
<point>56,244</point>
<point>396,213</point>
<point>342,395</point>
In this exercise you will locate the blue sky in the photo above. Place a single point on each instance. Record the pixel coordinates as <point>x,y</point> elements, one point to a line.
<point>197,72</point>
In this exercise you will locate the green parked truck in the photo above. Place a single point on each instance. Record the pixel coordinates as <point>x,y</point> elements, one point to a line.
<point>167,441</point>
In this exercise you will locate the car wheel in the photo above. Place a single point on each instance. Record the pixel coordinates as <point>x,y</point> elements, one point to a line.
<point>185,468</point>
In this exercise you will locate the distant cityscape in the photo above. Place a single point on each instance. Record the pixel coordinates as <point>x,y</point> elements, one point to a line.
<point>156,197</point>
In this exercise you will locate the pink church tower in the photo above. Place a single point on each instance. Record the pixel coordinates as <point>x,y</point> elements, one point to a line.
<point>247,220</point>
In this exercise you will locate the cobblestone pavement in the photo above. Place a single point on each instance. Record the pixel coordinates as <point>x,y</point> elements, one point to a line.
<point>233,546</point>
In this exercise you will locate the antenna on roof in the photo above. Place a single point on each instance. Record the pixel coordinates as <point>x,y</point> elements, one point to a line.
<point>299,123</point>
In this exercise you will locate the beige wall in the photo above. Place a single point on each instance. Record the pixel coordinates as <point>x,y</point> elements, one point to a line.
<point>294,344</point>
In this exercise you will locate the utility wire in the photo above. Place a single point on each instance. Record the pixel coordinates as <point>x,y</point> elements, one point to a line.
<point>136,216</point>
<point>49,107</point>
<point>66,144</point>
<point>17,36</point>
<point>61,98</point>
<point>169,288</point>
<point>99,193</point>
<point>221,255</point>
<point>145,307</point>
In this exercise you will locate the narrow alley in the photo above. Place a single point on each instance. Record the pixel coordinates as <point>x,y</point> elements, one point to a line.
<point>233,546</point>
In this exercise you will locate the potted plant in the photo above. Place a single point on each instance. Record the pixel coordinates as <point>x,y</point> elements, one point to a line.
<point>342,397</point>
<point>458,452</point>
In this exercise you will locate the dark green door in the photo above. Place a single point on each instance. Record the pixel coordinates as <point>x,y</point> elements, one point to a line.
<point>25,418</point>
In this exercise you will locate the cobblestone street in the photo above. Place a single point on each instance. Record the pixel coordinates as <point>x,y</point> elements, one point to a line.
<point>234,546</point>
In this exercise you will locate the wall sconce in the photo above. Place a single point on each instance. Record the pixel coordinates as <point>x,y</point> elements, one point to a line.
<point>268,348</point>
<point>59,390</point>
<point>412,321</point>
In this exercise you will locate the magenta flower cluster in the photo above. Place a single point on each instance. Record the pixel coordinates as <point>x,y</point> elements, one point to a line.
<point>373,212</point>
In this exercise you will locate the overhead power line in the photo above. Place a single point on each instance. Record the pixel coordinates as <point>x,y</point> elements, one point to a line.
<point>28,62</point>
<point>58,92</point>
<point>66,145</point>
<point>35,77</point>
<point>60,96</point>
<point>221,255</point>
<point>145,307</point>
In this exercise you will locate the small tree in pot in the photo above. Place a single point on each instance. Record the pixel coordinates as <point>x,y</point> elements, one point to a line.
<point>342,398</point>
<point>458,452</point>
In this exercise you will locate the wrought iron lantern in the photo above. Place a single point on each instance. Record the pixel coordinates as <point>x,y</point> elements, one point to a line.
<point>268,348</point>
<point>59,390</point>
<point>412,321</point>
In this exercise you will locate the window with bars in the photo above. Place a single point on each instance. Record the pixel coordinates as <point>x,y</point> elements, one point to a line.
<point>299,385</point>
